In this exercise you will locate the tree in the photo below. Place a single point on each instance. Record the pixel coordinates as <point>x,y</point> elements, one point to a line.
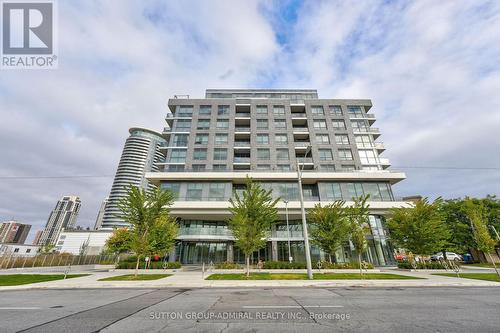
<point>420,229</point>
<point>143,210</point>
<point>330,228</point>
<point>477,216</point>
<point>357,216</point>
<point>47,248</point>
<point>119,241</point>
<point>162,235</point>
<point>253,214</point>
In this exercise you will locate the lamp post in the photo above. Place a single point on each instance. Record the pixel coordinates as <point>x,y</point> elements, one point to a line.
<point>304,223</point>
<point>288,231</point>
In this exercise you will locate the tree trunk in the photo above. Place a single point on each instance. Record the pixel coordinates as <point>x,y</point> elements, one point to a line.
<point>359,262</point>
<point>137,266</point>
<point>248,265</point>
<point>330,258</point>
<point>494,266</point>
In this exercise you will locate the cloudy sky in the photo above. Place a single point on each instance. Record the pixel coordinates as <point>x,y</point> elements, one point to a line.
<point>431,68</point>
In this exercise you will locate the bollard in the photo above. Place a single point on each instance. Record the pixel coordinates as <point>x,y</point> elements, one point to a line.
<point>203,271</point>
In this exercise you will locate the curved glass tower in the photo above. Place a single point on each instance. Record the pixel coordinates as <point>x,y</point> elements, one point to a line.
<point>141,154</point>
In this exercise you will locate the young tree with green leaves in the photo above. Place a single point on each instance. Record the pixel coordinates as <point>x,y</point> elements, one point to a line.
<point>477,216</point>
<point>330,228</point>
<point>144,211</point>
<point>119,241</point>
<point>253,214</point>
<point>358,215</point>
<point>420,229</point>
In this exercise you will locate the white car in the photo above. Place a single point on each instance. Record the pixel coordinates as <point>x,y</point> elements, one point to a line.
<point>449,256</point>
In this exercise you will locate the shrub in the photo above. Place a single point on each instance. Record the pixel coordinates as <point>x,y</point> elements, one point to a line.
<point>422,265</point>
<point>227,265</point>
<point>153,265</point>
<point>283,265</point>
<point>344,265</point>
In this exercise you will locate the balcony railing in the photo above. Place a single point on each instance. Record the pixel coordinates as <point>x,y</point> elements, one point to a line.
<point>302,143</point>
<point>242,143</point>
<point>299,115</point>
<point>305,159</point>
<point>366,129</point>
<point>362,115</point>
<point>241,159</point>
<point>243,114</point>
<point>300,129</point>
<point>242,129</point>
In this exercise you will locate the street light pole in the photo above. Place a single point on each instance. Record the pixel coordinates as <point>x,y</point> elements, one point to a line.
<point>288,231</point>
<point>304,223</point>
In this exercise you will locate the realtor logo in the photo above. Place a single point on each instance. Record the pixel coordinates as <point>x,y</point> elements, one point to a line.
<point>28,34</point>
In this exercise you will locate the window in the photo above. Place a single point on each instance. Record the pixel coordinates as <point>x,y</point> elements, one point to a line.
<point>333,192</point>
<point>180,140</point>
<point>201,139</point>
<point>16,250</point>
<point>262,124</point>
<point>220,138</point>
<point>359,125</point>
<point>220,154</point>
<point>385,191</point>
<point>279,110</point>
<point>203,124</point>
<point>178,155</point>
<point>282,154</point>
<point>367,156</point>
<point>262,109</point>
<point>373,190</point>
<point>263,167</point>
<point>354,190</point>
<point>322,139</point>
<point>284,167</point>
<point>28,250</point>
<point>223,110</point>
<point>262,139</point>
<point>327,167</point>
<point>183,124</point>
<point>216,191</point>
<point>355,111</point>
<point>325,154</point>
<point>338,124</point>
<point>310,191</point>
<point>194,191</point>
<point>335,110</point>
<point>200,154</point>
<point>345,154</point>
<point>222,124</point>
<point>219,167</point>
<point>319,124</point>
<point>364,141</point>
<point>341,139</point>
<point>184,111</point>
<point>348,167</point>
<point>281,139</point>
<point>172,187</point>
<point>175,168</point>
<point>205,110</point>
<point>317,110</point>
<point>279,123</point>
<point>263,154</point>
<point>198,167</point>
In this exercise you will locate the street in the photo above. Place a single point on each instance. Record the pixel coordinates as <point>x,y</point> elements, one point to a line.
<point>308,309</point>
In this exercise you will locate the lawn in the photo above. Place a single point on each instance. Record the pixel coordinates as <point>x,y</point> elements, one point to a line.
<point>303,276</point>
<point>476,276</point>
<point>139,277</point>
<point>18,279</point>
<point>485,265</point>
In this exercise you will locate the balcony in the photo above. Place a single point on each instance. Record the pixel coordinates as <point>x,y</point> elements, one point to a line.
<point>243,160</point>
<point>299,115</point>
<point>242,143</point>
<point>379,146</point>
<point>305,160</point>
<point>384,162</point>
<point>242,114</point>
<point>300,129</point>
<point>241,129</point>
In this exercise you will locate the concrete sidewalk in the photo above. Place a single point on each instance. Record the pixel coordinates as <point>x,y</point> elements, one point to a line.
<point>190,279</point>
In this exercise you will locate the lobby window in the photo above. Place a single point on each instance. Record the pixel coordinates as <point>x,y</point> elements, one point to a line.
<point>183,124</point>
<point>180,140</point>
<point>327,167</point>
<point>282,154</point>
<point>367,156</point>
<point>364,141</point>
<point>335,110</point>
<point>332,191</point>
<point>317,110</point>
<point>198,167</point>
<point>205,110</point>
<point>216,191</point>
<point>203,124</point>
<point>322,139</point>
<point>178,155</point>
<point>341,139</point>
<point>223,110</point>
<point>200,154</point>
<point>319,124</point>
<point>262,139</point>
<point>262,167</point>
<point>184,111</point>
<point>194,191</point>
<point>373,190</point>
<point>279,123</point>
<point>263,154</point>
<point>354,190</point>
<point>345,154</point>
<point>262,109</point>
<point>325,154</point>
<point>172,187</point>
<point>220,138</point>
<point>283,167</point>
<point>219,167</point>
<point>281,139</point>
<point>355,111</point>
<point>201,139</point>
<point>222,124</point>
<point>279,110</point>
<point>338,124</point>
<point>262,124</point>
<point>385,191</point>
<point>220,154</point>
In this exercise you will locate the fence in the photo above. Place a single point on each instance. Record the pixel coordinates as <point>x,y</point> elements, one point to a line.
<point>55,259</point>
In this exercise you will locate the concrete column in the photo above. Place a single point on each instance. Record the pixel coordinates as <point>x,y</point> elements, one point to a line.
<point>171,255</point>
<point>230,252</point>
<point>274,250</point>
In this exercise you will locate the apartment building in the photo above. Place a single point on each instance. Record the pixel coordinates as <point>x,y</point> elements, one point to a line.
<point>63,216</point>
<point>14,232</point>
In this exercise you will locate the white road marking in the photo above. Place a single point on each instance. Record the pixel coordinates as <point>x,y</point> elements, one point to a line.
<point>20,308</point>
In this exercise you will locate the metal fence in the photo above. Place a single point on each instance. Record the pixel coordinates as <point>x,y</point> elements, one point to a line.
<point>55,259</point>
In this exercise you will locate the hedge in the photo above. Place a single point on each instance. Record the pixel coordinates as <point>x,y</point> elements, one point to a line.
<point>423,265</point>
<point>152,265</point>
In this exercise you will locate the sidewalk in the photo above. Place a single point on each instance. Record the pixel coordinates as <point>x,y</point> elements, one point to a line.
<point>190,279</point>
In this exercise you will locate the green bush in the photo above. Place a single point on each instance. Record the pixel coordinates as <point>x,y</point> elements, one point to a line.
<point>152,265</point>
<point>422,265</point>
<point>283,265</point>
<point>343,265</point>
<point>227,265</point>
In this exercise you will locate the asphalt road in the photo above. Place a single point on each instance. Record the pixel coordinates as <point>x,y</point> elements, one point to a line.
<point>252,310</point>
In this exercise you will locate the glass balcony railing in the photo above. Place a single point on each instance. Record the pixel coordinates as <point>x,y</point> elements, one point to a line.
<point>242,129</point>
<point>242,143</point>
<point>299,115</point>
<point>300,129</point>
<point>243,114</point>
<point>241,159</point>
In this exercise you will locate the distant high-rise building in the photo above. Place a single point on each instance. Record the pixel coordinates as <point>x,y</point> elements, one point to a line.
<point>141,154</point>
<point>38,234</point>
<point>63,216</point>
<point>14,232</point>
<point>100,214</point>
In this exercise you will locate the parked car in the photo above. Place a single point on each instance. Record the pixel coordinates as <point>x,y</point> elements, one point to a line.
<point>449,256</point>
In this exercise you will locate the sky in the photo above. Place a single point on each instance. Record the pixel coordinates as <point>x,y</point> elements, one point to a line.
<point>431,69</point>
